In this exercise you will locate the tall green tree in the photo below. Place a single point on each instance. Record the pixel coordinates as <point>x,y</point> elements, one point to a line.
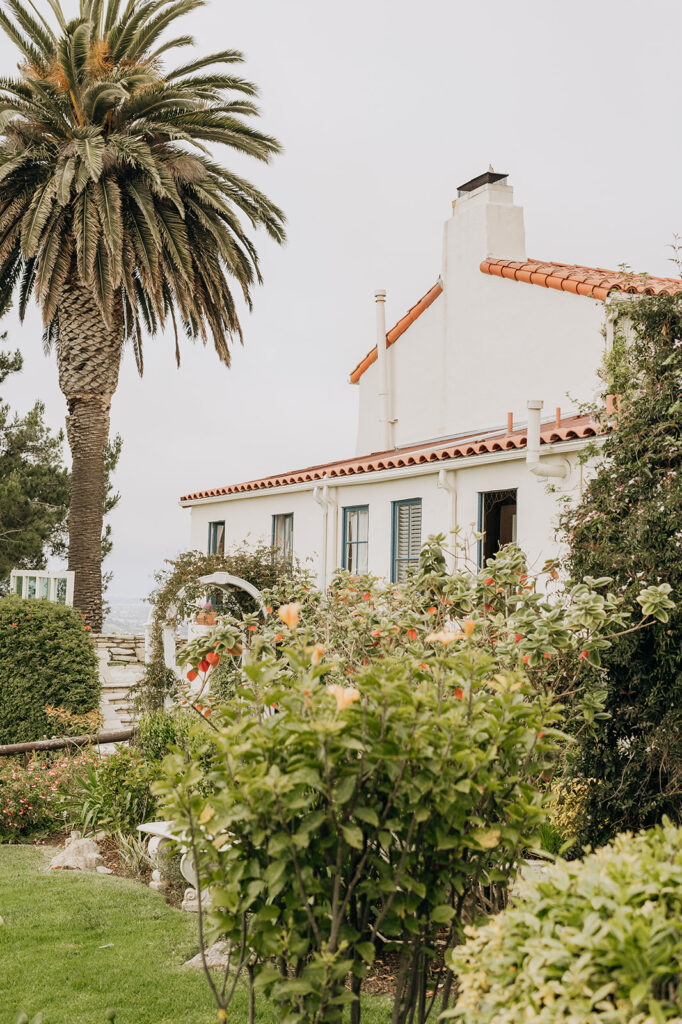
<point>34,484</point>
<point>628,526</point>
<point>114,215</point>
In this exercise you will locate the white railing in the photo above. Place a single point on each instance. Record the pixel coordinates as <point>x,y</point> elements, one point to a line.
<point>43,585</point>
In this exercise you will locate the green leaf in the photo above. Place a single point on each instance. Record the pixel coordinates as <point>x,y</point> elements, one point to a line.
<point>442,914</point>
<point>367,814</point>
<point>353,836</point>
<point>366,950</point>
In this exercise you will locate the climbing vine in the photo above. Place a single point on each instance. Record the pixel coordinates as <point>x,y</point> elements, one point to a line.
<point>262,565</point>
<point>628,526</point>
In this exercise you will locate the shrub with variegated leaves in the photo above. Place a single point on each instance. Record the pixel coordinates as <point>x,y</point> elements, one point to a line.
<point>597,941</point>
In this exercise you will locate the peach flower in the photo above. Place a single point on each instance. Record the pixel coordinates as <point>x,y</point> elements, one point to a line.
<point>344,698</point>
<point>289,614</point>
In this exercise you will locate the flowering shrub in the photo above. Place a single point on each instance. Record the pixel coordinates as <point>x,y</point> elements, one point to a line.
<point>597,941</point>
<point>47,657</point>
<point>525,622</point>
<point>359,815</point>
<point>33,798</point>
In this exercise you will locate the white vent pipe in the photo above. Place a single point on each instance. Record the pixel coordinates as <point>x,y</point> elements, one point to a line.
<point>383,392</point>
<point>549,465</point>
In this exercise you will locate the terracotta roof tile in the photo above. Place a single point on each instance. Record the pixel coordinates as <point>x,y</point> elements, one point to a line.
<point>594,282</point>
<point>570,429</point>
<point>400,328</point>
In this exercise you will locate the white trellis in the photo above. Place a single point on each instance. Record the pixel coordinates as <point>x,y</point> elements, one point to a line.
<point>222,580</point>
<point>39,584</point>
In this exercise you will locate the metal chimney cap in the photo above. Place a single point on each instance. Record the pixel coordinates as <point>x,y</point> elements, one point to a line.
<point>488,178</point>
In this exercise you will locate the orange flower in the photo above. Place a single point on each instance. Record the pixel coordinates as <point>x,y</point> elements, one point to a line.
<point>547,654</point>
<point>443,637</point>
<point>269,609</point>
<point>459,693</point>
<point>518,638</point>
<point>412,635</point>
<point>366,597</point>
<point>490,582</point>
<point>432,610</point>
<point>278,638</point>
<point>253,629</point>
<point>289,614</point>
<point>469,627</point>
<point>583,655</point>
<point>377,632</point>
<point>318,651</point>
<point>344,698</point>
<point>526,659</point>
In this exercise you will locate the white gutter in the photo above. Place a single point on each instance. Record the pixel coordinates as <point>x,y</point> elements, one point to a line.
<point>549,465</point>
<point>383,393</point>
<point>377,475</point>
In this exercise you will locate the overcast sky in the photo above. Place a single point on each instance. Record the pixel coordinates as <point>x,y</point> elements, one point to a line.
<point>383,107</point>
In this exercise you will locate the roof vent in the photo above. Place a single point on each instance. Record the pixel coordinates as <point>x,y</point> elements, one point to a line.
<point>490,177</point>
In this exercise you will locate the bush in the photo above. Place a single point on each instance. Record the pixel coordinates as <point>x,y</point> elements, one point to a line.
<point>597,941</point>
<point>46,658</point>
<point>360,816</point>
<point>114,793</point>
<point>33,798</point>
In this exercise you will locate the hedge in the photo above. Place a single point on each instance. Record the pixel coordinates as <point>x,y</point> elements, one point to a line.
<point>46,658</point>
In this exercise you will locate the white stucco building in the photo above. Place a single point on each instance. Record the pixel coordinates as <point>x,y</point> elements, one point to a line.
<point>464,410</point>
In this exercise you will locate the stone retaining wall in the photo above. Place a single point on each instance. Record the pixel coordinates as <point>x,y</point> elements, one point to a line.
<point>121,667</point>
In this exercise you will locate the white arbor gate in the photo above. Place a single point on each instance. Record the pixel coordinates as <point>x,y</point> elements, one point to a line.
<point>221,580</point>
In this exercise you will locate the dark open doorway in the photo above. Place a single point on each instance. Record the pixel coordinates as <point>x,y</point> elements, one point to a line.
<point>496,521</point>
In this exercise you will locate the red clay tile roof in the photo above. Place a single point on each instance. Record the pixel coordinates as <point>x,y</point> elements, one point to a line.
<point>399,329</point>
<point>570,429</point>
<point>590,281</point>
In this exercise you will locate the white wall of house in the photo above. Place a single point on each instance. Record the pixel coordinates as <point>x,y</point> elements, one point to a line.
<point>248,517</point>
<point>487,344</point>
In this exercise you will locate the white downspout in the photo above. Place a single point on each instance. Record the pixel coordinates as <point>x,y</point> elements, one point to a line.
<point>447,481</point>
<point>550,465</point>
<point>383,392</point>
<point>321,496</point>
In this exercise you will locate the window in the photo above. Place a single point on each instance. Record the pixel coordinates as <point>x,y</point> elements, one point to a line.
<point>283,534</point>
<point>356,539</point>
<point>407,537</point>
<point>496,521</point>
<point>216,538</point>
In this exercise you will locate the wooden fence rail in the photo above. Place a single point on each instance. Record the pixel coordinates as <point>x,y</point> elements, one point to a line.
<point>120,736</point>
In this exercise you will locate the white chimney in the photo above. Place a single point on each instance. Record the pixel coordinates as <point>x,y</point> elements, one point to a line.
<point>485,222</point>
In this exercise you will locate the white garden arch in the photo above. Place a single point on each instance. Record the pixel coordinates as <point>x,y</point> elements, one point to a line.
<point>222,580</point>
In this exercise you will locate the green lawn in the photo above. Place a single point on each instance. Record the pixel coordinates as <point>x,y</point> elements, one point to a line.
<point>73,946</point>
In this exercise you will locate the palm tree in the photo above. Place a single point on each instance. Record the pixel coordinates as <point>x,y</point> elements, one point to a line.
<point>113,213</point>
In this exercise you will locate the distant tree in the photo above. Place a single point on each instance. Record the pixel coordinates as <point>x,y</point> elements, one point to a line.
<point>628,526</point>
<point>114,215</point>
<point>34,484</point>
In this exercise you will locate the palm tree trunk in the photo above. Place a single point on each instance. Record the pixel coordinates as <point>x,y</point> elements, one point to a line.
<point>89,357</point>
